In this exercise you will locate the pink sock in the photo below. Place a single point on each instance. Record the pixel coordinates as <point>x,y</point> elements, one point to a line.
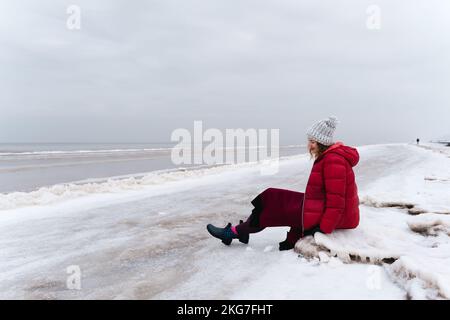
<point>234,230</point>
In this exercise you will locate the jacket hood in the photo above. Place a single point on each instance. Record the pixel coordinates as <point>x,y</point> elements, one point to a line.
<point>349,153</point>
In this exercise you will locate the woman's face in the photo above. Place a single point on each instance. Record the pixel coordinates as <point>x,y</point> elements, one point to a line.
<point>312,146</point>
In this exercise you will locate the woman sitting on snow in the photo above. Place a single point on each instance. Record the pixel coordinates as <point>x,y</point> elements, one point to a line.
<point>330,200</point>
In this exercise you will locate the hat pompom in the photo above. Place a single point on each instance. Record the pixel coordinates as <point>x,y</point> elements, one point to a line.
<point>332,122</point>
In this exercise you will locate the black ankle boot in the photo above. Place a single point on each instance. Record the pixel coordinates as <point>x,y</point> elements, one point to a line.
<point>285,245</point>
<point>226,234</point>
<point>244,237</point>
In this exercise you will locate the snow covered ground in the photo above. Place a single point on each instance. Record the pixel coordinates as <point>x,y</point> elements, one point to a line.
<point>146,238</point>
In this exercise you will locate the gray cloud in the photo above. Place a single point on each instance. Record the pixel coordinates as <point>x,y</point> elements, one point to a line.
<point>138,70</point>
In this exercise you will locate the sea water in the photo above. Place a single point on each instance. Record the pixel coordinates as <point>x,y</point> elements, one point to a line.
<point>28,166</point>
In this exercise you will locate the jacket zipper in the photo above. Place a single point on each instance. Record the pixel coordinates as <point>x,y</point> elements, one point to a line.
<point>303,207</point>
<point>303,210</point>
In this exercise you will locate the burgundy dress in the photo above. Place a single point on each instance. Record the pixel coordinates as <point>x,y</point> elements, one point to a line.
<point>277,208</point>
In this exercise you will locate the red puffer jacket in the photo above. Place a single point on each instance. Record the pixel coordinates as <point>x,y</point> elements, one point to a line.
<point>331,195</point>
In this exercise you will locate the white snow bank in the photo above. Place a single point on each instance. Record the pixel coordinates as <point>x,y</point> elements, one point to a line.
<point>404,227</point>
<point>436,147</point>
<point>388,237</point>
<point>368,243</point>
<point>294,278</point>
<point>420,183</point>
<point>430,224</point>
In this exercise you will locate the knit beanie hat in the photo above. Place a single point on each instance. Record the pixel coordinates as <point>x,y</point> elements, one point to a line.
<point>322,131</point>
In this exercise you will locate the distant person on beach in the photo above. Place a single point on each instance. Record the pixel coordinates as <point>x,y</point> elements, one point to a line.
<point>329,202</point>
<point>417,140</point>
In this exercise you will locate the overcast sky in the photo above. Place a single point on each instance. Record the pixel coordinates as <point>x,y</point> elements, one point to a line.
<point>137,70</point>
